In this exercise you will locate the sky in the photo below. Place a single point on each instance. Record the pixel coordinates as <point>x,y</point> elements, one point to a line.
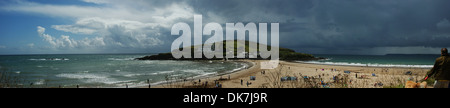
<point>360,27</point>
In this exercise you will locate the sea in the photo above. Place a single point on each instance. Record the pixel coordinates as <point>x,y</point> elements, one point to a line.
<point>106,70</point>
<point>388,60</point>
<point>121,70</point>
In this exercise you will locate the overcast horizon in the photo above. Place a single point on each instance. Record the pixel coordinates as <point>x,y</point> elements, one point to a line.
<point>361,27</point>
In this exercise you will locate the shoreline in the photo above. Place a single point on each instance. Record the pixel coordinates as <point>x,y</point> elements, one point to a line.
<point>389,76</point>
<point>160,84</point>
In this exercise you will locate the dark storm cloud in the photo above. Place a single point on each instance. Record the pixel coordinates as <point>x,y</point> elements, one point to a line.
<point>310,26</point>
<point>343,26</point>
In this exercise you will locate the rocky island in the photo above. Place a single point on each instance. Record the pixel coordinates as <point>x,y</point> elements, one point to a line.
<point>284,54</point>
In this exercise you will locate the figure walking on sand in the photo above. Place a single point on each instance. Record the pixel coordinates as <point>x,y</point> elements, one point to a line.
<point>441,70</point>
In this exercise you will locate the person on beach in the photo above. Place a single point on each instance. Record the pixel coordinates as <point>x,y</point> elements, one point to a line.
<point>441,70</point>
<point>242,81</point>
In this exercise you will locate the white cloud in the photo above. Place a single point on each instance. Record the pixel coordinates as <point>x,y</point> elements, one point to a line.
<point>111,25</point>
<point>53,10</point>
<point>66,42</point>
<point>74,29</point>
<point>142,11</point>
<point>96,25</point>
<point>46,37</point>
<point>96,1</point>
<point>114,37</point>
<point>1,46</point>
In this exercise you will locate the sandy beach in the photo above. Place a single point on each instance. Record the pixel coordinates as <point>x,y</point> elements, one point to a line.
<point>307,76</point>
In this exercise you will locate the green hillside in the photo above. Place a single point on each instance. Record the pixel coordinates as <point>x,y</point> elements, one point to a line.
<point>284,54</point>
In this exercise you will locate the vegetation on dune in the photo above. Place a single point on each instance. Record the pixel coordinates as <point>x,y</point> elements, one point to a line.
<point>9,80</point>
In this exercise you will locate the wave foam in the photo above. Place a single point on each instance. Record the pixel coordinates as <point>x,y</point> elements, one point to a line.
<point>196,71</point>
<point>39,82</point>
<point>81,76</point>
<point>51,59</point>
<point>120,59</point>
